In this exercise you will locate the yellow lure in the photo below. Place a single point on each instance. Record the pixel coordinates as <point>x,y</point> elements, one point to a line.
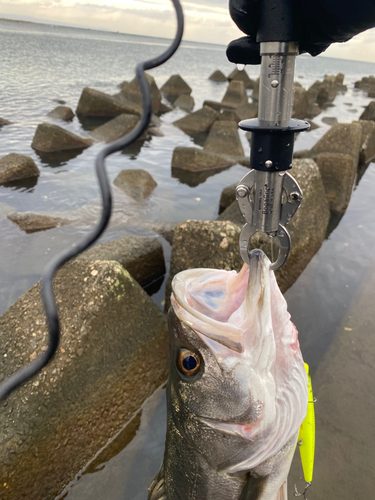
<point>306,436</point>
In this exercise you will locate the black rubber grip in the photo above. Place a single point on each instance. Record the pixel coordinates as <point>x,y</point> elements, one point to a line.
<point>277,147</point>
<point>276,21</point>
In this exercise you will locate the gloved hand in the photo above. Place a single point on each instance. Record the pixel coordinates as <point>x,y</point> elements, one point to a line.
<point>315,25</point>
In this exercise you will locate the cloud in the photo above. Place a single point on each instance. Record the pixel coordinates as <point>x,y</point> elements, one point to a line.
<point>205,20</point>
<point>360,48</point>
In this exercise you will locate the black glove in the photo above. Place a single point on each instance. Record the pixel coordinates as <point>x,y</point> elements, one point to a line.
<point>315,25</point>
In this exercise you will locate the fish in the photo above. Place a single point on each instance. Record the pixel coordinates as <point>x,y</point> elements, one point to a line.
<point>237,391</point>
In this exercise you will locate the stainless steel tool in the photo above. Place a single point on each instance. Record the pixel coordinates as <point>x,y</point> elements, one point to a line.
<point>268,196</point>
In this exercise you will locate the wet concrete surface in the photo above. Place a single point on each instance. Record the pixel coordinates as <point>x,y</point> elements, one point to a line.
<point>344,388</point>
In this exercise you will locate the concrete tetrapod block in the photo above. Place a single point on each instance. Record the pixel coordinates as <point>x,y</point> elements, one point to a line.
<point>174,87</point>
<point>3,122</point>
<point>241,76</point>
<point>62,113</point>
<point>228,196</point>
<point>95,103</point>
<point>332,153</point>
<point>235,94</point>
<point>338,173</point>
<point>49,138</point>
<point>227,115</point>
<point>154,131</point>
<point>340,78</point>
<point>142,257</point>
<point>343,138</point>
<point>164,108</point>
<point>329,120</point>
<point>369,112</point>
<point>218,76</point>
<point>136,183</point>
<point>211,244</point>
<point>367,83</point>
<point>307,228</point>
<point>185,102</point>
<point>192,166</point>
<point>112,356</point>
<point>313,91</point>
<point>323,93</point>
<point>220,106</point>
<point>199,160</point>
<point>14,167</point>
<point>115,128</point>
<point>255,94</point>
<point>31,223</point>
<point>224,139</point>
<point>198,122</point>
<point>327,91</point>
<point>300,103</point>
<point>247,110</point>
<point>132,92</point>
<point>367,151</point>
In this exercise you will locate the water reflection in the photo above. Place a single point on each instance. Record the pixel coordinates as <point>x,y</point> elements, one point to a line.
<point>90,123</point>
<point>58,158</point>
<point>134,149</point>
<point>23,185</point>
<point>155,286</point>
<point>360,172</point>
<point>115,446</point>
<point>193,179</point>
<point>199,139</point>
<point>333,222</point>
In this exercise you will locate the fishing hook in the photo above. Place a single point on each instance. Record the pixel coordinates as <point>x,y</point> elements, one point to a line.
<point>48,297</point>
<point>303,494</point>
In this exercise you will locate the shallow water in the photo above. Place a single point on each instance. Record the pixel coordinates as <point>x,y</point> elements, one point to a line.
<point>41,64</point>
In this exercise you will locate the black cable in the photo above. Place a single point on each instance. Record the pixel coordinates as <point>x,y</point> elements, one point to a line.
<point>24,374</point>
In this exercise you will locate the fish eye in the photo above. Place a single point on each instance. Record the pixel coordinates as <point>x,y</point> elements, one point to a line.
<point>188,362</point>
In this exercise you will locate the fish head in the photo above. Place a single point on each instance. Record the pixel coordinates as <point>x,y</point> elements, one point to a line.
<point>236,369</point>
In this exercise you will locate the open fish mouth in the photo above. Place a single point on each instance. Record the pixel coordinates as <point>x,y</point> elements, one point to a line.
<point>221,305</point>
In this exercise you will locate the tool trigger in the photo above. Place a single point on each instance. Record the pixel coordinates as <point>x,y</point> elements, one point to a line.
<point>284,247</point>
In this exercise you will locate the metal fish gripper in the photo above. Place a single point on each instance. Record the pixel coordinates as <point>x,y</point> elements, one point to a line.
<point>268,196</point>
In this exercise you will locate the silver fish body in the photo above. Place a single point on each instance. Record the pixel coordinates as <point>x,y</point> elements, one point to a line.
<point>237,389</point>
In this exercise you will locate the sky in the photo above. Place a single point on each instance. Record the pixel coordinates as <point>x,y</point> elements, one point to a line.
<point>205,20</point>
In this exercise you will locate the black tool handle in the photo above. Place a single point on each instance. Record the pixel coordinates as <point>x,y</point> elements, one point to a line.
<point>276,21</point>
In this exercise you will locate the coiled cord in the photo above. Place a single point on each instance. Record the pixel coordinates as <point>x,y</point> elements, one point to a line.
<point>53,323</point>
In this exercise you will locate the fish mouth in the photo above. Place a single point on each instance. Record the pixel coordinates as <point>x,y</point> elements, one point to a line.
<point>215,302</point>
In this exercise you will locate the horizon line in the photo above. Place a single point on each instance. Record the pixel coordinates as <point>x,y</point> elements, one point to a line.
<point>106,30</point>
